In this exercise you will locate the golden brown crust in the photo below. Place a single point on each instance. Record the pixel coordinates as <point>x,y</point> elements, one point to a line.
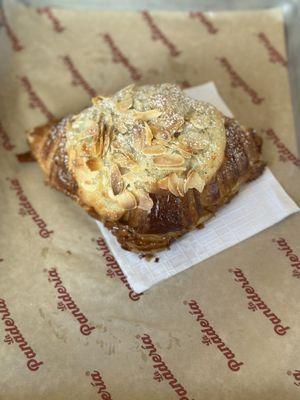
<point>171,216</point>
<point>47,144</point>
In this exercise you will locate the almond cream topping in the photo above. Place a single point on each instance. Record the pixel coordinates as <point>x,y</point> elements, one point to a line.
<point>140,140</point>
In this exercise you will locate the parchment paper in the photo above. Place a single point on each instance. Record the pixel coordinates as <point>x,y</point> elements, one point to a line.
<point>74,326</point>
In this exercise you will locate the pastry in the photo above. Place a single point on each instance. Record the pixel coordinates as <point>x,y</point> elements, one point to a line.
<point>149,162</point>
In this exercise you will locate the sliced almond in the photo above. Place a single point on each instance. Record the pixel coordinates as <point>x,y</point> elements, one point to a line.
<point>161,142</point>
<point>176,185</point>
<point>148,134</point>
<point>147,115</point>
<point>123,160</point>
<point>144,201</point>
<point>126,200</point>
<point>180,186</point>
<point>164,135</point>
<point>172,184</point>
<point>159,133</point>
<point>116,180</point>
<point>168,161</point>
<point>107,139</point>
<point>194,181</point>
<point>138,140</point>
<point>154,150</point>
<point>124,104</point>
<point>98,146</point>
<point>127,89</point>
<point>163,183</point>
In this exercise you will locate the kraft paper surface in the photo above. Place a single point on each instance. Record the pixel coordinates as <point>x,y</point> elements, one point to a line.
<point>70,325</point>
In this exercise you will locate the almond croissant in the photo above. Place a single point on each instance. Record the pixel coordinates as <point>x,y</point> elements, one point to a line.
<point>149,162</point>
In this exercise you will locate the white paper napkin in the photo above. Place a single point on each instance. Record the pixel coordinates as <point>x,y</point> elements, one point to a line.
<point>259,205</point>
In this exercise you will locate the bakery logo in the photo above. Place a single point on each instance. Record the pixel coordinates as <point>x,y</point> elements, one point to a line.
<point>200,16</point>
<point>26,208</point>
<point>157,34</point>
<point>296,375</point>
<point>65,301</point>
<point>6,143</point>
<point>14,40</point>
<point>275,56</point>
<point>256,302</point>
<point>57,26</point>
<point>161,370</point>
<point>237,81</point>
<point>113,269</point>
<point>294,260</point>
<point>119,57</point>
<point>34,100</point>
<point>283,151</point>
<point>210,337</point>
<point>13,335</point>
<point>98,383</point>
<point>77,78</point>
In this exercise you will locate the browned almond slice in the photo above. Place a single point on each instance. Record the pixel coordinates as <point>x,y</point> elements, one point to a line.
<point>167,161</point>
<point>116,180</point>
<point>153,150</point>
<point>126,200</point>
<point>97,100</point>
<point>94,164</point>
<point>194,181</point>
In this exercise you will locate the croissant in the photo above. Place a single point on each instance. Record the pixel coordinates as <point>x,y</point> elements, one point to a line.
<point>149,162</point>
